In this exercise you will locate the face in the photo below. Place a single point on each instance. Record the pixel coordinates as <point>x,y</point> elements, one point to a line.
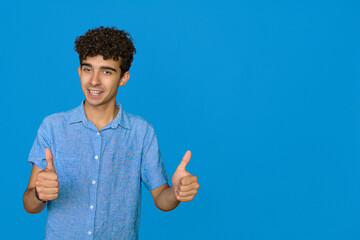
<point>100,80</point>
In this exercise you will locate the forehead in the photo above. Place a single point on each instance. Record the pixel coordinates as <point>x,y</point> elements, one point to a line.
<point>98,61</point>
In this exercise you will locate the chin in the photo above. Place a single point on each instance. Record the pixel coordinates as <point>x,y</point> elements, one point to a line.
<point>93,103</point>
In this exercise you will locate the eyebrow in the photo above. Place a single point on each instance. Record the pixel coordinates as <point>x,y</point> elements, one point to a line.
<point>101,67</point>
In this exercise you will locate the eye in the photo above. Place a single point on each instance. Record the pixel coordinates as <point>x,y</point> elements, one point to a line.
<point>107,72</point>
<point>86,69</point>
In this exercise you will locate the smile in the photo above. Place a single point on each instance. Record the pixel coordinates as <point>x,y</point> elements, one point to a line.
<point>94,92</point>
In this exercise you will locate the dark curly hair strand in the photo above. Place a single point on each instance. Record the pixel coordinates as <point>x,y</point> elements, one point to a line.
<point>108,42</point>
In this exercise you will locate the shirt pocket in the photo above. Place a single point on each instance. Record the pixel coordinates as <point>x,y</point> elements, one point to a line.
<point>67,166</point>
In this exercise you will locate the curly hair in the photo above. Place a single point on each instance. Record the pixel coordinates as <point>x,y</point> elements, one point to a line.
<point>108,42</point>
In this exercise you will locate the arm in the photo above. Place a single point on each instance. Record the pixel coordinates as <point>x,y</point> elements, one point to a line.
<point>185,187</point>
<point>31,203</point>
<point>46,184</point>
<point>164,197</point>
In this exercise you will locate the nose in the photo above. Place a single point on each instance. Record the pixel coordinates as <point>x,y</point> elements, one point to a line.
<point>95,79</point>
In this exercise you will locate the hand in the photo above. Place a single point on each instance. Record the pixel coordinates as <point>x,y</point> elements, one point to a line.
<point>185,184</point>
<point>46,182</point>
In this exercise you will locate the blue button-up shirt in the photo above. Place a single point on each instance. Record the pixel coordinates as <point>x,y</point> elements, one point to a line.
<point>100,173</point>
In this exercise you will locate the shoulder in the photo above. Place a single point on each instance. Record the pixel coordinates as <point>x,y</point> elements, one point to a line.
<point>61,117</point>
<point>139,124</point>
<point>137,121</point>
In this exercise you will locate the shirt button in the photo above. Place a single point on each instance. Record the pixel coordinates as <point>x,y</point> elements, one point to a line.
<point>96,157</point>
<point>89,232</point>
<point>91,207</point>
<point>93,181</point>
<point>98,133</point>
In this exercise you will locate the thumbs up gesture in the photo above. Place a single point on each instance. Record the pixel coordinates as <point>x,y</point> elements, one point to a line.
<point>185,184</point>
<point>46,183</point>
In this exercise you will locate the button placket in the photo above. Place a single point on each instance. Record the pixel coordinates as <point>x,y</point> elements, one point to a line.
<point>93,190</point>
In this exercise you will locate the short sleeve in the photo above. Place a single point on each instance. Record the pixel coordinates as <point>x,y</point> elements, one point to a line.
<point>42,141</point>
<point>153,173</point>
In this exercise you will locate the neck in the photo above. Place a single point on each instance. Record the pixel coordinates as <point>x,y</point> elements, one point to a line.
<point>101,115</point>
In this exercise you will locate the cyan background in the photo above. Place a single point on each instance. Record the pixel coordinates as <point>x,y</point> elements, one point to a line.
<point>264,93</point>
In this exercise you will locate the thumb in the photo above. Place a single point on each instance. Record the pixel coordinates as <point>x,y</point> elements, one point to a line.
<point>185,160</point>
<point>49,160</point>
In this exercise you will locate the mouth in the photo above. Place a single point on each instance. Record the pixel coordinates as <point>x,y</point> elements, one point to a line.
<point>95,93</point>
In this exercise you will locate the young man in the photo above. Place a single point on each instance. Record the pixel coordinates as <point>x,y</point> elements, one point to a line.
<point>89,162</point>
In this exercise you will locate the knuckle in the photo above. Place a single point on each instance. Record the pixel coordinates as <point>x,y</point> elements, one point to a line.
<point>39,175</point>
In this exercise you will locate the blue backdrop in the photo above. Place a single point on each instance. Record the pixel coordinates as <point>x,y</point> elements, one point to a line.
<point>265,93</point>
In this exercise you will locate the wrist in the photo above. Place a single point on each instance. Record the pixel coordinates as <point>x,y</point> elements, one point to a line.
<point>173,193</point>
<point>37,196</point>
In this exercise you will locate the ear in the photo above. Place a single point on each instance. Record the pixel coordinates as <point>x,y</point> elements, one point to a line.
<point>124,79</point>
<point>79,70</point>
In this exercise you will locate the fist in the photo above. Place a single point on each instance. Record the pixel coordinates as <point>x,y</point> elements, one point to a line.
<point>185,184</point>
<point>46,182</point>
<point>187,189</point>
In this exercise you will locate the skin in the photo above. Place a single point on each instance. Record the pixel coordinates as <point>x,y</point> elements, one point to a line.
<point>47,185</point>
<point>104,76</point>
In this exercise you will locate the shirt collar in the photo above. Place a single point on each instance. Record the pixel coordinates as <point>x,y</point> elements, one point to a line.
<point>121,118</point>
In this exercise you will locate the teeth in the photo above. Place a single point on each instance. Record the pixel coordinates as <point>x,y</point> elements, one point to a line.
<point>94,92</point>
